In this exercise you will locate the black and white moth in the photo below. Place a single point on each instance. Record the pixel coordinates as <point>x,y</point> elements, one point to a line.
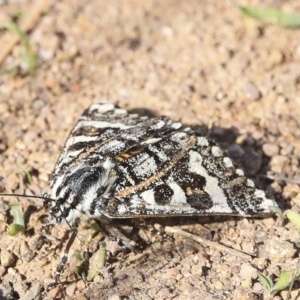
<point>123,165</point>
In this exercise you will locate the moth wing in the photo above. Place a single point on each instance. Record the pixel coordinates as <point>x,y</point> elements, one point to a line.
<point>183,174</point>
<point>105,130</point>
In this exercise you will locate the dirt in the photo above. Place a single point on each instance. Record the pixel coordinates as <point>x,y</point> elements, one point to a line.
<point>201,62</point>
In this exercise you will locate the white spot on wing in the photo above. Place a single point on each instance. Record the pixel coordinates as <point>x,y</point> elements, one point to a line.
<point>178,137</point>
<point>108,164</point>
<point>202,141</point>
<point>250,183</point>
<point>146,168</point>
<point>178,196</point>
<point>176,125</point>
<point>266,203</point>
<point>259,193</point>
<point>212,187</point>
<point>161,155</point>
<point>122,209</point>
<point>102,108</point>
<point>79,139</point>
<point>101,124</point>
<point>113,146</point>
<point>119,111</point>
<point>239,172</point>
<point>158,125</point>
<point>216,151</point>
<point>148,196</point>
<point>227,162</point>
<point>151,141</point>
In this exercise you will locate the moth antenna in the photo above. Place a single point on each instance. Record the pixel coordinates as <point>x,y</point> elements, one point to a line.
<point>37,197</point>
<point>28,196</point>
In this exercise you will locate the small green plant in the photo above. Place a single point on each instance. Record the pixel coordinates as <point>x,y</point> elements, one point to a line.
<point>287,277</point>
<point>18,225</point>
<point>293,217</point>
<point>29,56</point>
<point>272,16</point>
<point>284,280</point>
<point>82,270</point>
<point>27,174</point>
<point>8,71</point>
<point>101,258</point>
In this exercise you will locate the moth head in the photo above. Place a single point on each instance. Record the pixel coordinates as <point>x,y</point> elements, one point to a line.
<point>79,190</point>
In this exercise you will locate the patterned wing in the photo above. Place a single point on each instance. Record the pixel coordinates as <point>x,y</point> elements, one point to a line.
<point>124,165</point>
<point>183,174</point>
<point>105,130</point>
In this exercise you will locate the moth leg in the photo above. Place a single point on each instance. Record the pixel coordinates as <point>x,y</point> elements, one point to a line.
<point>63,260</point>
<point>117,237</point>
<point>152,230</point>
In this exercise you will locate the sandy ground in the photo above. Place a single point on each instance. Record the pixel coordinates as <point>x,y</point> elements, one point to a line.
<point>200,62</point>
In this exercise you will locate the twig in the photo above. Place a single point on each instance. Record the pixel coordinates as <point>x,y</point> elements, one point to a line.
<point>178,230</point>
<point>9,39</point>
<point>282,178</point>
<point>295,274</point>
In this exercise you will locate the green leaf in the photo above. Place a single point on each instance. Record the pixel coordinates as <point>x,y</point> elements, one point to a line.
<point>17,14</point>
<point>30,55</point>
<point>14,229</point>
<point>17,214</point>
<point>79,270</point>
<point>95,228</point>
<point>8,71</point>
<point>266,281</point>
<point>272,16</point>
<point>26,172</point>
<point>100,262</point>
<point>102,256</point>
<point>275,209</point>
<point>77,255</point>
<point>283,281</point>
<point>293,217</point>
<point>18,221</point>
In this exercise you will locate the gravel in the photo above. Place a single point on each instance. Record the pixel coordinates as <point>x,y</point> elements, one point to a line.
<point>201,62</point>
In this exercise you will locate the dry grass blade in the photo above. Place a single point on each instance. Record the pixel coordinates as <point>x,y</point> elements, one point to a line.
<point>177,230</point>
<point>9,39</point>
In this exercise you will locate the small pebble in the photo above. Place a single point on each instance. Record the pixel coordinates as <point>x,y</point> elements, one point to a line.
<point>2,271</point>
<point>7,258</point>
<point>70,290</point>
<point>251,91</point>
<point>247,271</point>
<point>278,163</point>
<point>25,251</point>
<point>257,287</point>
<point>279,250</point>
<point>80,285</point>
<point>114,297</point>
<point>241,294</point>
<point>35,292</point>
<point>270,149</point>
<point>218,285</point>
<point>81,298</point>
<point>55,292</point>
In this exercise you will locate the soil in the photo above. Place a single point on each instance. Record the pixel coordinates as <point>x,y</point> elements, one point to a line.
<point>202,62</point>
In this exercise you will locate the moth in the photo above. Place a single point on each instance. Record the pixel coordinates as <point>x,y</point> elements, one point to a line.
<point>122,165</point>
